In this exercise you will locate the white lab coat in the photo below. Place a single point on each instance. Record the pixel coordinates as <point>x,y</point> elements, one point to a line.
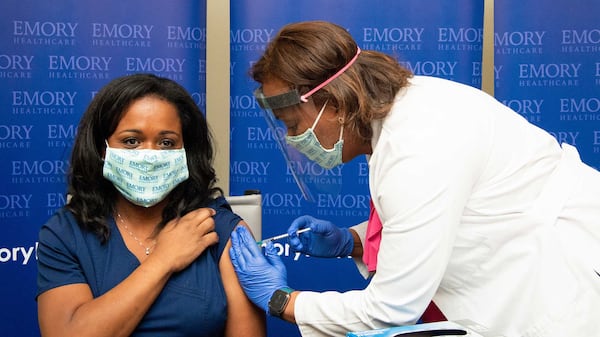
<point>483,212</point>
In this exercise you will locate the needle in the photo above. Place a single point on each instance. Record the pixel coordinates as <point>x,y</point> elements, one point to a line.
<point>281,236</point>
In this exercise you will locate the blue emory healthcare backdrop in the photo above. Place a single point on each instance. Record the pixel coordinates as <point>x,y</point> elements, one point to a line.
<point>54,56</point>
<point>443,40</point>
<point>548,68</point>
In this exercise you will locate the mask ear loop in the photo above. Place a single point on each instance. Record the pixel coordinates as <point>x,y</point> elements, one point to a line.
<point>340,119</point>
<point>105,149</point>
<point>318,116</point>
<point>304,98</point>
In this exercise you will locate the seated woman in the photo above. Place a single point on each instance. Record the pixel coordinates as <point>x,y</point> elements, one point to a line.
<point>141,248</point>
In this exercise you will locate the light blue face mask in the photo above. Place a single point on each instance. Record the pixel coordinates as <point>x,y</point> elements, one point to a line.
<point>145,177</point>
<point>308,144</point>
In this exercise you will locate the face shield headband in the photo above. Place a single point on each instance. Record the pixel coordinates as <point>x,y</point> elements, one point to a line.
<point>299,165</point>
<point>293,97</point>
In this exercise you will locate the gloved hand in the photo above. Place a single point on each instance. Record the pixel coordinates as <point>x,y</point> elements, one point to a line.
<point>260,275</point>
<point>323,240</point>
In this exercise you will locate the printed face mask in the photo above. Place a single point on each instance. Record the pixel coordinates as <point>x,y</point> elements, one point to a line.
<point>145,177</point>
<point>309,145</point>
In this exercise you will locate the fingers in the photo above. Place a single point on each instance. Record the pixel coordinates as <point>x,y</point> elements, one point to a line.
<point>295,243</point>
<point>209,239</point>
<point>298,223</point>
<point>184,239</point>
<point>247,240</point>
<point>236,249</point>
<point>274,259</point>
<point>270,251</point>
<point>243,247</point>
<point>203,217</point>
<point>235,252</point>
<point>200,219</point>
<point>197,225</point>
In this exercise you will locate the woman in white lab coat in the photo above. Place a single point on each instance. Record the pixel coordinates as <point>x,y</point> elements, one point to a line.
<point>480,211</point>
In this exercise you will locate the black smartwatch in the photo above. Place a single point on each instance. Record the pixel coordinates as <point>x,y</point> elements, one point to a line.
<point>279,301</point>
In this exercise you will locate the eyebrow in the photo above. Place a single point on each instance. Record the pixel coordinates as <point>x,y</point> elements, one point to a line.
<point>168,132</point>
<point>161,133</point>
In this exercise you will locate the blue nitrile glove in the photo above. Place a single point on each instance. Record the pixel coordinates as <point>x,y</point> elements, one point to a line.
<point>260,275</point>
<point>323,240</point>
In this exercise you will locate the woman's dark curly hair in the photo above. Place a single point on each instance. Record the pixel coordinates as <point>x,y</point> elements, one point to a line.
<point>92,197</point>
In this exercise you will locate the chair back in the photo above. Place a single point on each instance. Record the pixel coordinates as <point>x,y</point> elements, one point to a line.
<point>249,207</point>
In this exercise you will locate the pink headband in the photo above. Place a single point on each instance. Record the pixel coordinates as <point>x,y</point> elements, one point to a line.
<point>304,98</point>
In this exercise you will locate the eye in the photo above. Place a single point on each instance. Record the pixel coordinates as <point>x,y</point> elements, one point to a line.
<point>167,143</point>
<point>131,142</point>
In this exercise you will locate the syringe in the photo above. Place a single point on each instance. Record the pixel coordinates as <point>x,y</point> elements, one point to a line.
<point>281,236</point>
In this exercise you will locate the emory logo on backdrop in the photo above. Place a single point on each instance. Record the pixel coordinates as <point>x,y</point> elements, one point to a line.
<point>20,255</point>
<point>249,172</point>
<point>313,174</point>
<point>519,42</point>
<point>548,74</point>
<point>261,139</point>
<point>61,135</point>
<point>15,66</point>
<point>282,204</point>
<point>568,137</point>
<point>55,201</point>
<point>460,39</point>
<point>169,67</point>
<point>244,106</point>
<point>121,35</point>
<point>83,67</point>
<point>531,109</point>
<point>349,205</point>
<point>38,171</point>
<point>285,250</point>
<point>579,109</point>
<point>43,102</point>
<point>390,39</point>
<point>476,73</point>
<point>46,33</point>
<point>15,205</point>
<point>15,136</point>
<point>186,37</point>
<point>363,174</point>
<point>446,69</point>
<point>580,41</point>
<point>247,39</point>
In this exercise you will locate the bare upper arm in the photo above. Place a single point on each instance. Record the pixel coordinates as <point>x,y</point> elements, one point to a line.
<point>57,306</point>
<point>243,317</point>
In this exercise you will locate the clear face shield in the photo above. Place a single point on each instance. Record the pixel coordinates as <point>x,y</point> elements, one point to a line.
<point>286,110</point>
<point>289,108</point>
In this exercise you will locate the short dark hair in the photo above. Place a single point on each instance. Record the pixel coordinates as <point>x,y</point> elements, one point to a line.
<point>92,197</point>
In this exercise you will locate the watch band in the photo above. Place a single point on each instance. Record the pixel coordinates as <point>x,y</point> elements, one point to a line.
<point>279,301</point>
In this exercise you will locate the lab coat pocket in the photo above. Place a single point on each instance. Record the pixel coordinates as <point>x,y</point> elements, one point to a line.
<point>468,252</point>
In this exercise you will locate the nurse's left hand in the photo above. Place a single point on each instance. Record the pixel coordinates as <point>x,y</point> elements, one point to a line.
<point>260,275</point>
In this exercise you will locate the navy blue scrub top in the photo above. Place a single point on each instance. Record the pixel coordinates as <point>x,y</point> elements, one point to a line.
<point>193,302</point>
